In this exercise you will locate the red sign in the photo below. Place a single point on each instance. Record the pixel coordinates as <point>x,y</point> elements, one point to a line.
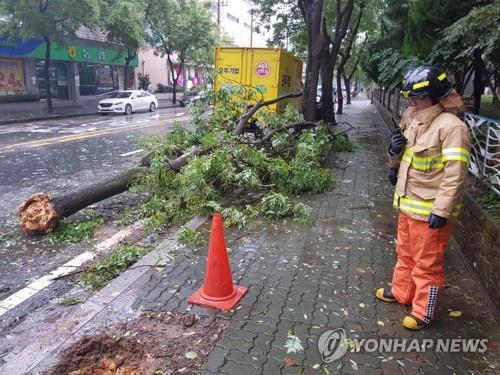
<point>263,69</point>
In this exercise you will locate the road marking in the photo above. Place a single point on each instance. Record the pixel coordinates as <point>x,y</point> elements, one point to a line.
<point>179,114</point>
<point>90,134</point>
<point>132,152</point>
<point>37,285</point>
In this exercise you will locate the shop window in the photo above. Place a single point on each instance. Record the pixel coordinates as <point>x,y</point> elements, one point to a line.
<point>96,79</point>
<point>58,77</point>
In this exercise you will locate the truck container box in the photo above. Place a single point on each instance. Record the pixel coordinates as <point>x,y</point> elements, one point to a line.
<point>272,70</point>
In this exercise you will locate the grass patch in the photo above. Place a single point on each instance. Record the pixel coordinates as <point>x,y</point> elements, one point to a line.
<point>72,301</point>
<point>73,231</point>
<point>99,274</point>
<point>189,237</point>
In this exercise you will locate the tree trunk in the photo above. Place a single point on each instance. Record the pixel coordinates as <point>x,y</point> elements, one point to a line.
<point>347,83</point>
<point>340,97</point>
<point>478,83</point>
<point>174,78</point>
<point>312,11</point>
<point>126,74</point>
<point>46,73</point>
<point>327,106</point>
<point>40,213</point>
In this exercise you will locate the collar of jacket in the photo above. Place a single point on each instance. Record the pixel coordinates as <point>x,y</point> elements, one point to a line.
<point>426,116</point>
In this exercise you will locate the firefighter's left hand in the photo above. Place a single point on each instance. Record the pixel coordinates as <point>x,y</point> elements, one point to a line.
<point>436,221</point>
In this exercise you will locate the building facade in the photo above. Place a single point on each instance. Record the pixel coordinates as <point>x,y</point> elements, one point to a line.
<point>235,18</point>
<point>84,67</point>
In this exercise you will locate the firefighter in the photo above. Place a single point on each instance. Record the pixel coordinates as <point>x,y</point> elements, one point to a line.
<point>429,166</point>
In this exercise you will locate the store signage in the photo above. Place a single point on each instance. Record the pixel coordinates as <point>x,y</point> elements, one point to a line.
<point>11,75</point>
<point>35,48</point>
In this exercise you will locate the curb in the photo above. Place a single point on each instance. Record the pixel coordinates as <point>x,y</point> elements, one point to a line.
<point>58,117</point>
<point>42,352</point>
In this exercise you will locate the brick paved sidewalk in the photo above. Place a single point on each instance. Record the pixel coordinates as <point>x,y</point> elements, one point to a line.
<point>304,280</point>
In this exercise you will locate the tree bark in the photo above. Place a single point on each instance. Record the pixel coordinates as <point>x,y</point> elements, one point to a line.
<point>343,17</point>
<point>327,105</point>
<point>40,213</point>
<point>253,109</point>
<point>46,73</point>
<point>478,83</point>
<point>312,11</point>
<point>347,84</point>
<point>340,96</point>
<point>174,77</point>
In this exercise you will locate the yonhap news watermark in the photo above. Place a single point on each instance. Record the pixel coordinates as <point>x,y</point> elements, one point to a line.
<point>334,344</point>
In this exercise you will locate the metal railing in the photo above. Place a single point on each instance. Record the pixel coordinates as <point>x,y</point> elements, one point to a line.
<point>485,138</point>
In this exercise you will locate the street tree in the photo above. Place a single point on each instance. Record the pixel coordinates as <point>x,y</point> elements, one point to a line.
<point>351,67</point>
<point>299,25</point>
<point>51,20</point>
<point>183,31</point>
<point>341,15</point>
<point>472,46</point>
<point>345,55</point>
<point>313,14</point>
<point>125,23</point>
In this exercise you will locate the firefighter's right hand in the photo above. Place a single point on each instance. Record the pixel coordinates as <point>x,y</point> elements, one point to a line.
<point>398,142</point>
<point>393,176</point>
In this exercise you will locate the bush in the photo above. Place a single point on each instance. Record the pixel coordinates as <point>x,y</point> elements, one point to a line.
<point>19,98</point>
<point>161,88</point>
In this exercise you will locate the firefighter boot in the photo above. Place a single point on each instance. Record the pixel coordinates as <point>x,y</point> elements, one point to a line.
<point>413,323</point>
<point>385,295</point>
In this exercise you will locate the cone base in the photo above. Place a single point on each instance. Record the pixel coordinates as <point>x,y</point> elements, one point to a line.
<point>227,304</point>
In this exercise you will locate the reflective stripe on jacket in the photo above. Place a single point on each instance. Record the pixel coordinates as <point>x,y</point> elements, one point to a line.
<point>433,167</point>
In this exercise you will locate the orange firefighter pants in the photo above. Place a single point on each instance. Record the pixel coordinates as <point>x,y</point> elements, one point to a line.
<point>419,272</point>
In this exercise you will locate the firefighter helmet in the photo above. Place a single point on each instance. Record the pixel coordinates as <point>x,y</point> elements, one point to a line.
<point>426,80</point>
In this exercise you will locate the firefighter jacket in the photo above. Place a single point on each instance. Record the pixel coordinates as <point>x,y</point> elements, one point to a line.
<point>433,167</point>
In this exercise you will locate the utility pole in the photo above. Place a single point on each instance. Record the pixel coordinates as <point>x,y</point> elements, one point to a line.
<point>218,14</point>
<point>251,27</point>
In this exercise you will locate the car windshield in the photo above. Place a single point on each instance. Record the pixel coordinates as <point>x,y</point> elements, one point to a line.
<point>122,94</point>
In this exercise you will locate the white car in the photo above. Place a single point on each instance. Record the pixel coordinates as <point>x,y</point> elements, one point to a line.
<point>128,101</point>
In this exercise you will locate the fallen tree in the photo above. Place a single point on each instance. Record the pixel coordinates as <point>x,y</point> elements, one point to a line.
<point>41,212</point>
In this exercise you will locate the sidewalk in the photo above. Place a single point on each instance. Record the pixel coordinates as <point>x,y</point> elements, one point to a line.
<point>303,280</point>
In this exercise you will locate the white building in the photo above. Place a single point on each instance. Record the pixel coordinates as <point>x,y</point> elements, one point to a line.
<point>236,20</point>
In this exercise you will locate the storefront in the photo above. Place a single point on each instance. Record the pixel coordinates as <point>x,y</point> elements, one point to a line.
<point>12,81</point>
<point>58,77</point>
<point>76,69</point>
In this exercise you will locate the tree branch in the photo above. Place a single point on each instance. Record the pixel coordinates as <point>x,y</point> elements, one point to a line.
<point>261,103</point>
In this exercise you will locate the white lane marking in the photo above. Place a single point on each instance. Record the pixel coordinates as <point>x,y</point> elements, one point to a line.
<point>42,282</point>
<point>132,152</point>
<point>179,114</point>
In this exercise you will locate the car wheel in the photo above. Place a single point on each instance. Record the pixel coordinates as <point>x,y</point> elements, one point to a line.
<point>152,107</point>
<point>128,109</point>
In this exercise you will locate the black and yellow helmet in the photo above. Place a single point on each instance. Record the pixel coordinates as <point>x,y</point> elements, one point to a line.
<point>426,80</point>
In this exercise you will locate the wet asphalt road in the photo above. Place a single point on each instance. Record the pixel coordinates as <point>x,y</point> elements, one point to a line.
<point>56,155</point>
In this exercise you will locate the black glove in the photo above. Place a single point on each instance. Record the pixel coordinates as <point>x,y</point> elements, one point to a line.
<point>436,221</point>
<point>398,142</point>
<point>393,176</point>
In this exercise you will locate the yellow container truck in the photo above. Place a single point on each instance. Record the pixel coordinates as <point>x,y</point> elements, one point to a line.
<point>272,70</point>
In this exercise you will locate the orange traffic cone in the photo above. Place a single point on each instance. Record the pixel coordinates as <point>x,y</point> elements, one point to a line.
<point>218,290</point>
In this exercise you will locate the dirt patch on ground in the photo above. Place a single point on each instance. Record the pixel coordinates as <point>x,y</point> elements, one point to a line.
<point>156,343</point>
